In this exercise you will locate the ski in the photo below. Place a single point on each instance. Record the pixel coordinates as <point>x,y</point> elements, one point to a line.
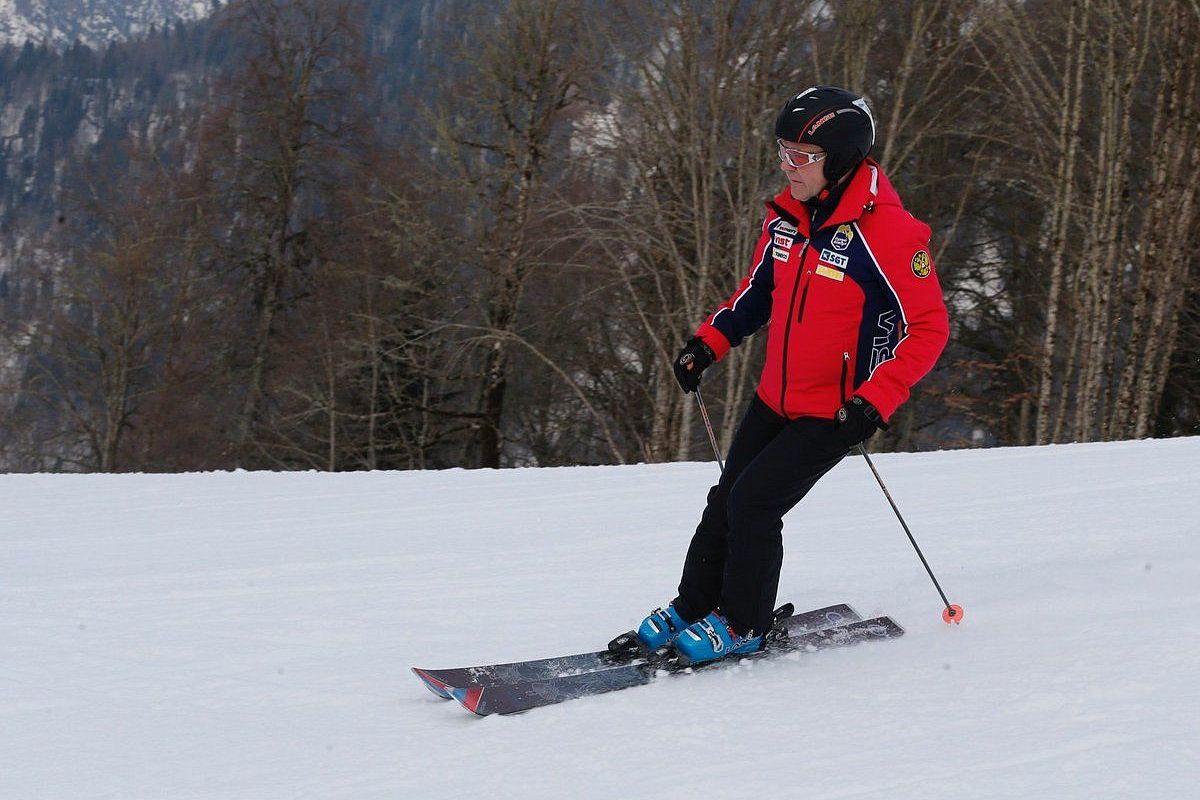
<point>442,681</point>
<point>516,697</point>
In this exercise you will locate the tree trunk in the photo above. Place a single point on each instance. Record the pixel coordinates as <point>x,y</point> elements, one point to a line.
<point>1068,144</point>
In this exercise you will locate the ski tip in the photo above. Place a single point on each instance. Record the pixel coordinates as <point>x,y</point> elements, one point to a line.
<point>470,699</point>
<point>432,684</point>
<point>952,615</point>
<point>879,627</point>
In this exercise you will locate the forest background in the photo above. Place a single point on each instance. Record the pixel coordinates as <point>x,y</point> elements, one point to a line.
<point>363,234</point>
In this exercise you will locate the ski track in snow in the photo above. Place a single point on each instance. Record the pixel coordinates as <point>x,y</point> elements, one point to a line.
<point>248,635</point>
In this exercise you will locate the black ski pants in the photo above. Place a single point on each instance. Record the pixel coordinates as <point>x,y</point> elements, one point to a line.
<point>736,554</point>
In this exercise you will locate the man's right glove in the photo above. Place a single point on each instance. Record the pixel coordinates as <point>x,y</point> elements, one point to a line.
<point>857,421</point>
<point>694,358</point>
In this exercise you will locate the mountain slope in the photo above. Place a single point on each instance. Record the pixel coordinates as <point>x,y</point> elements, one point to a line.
<point>249,635</point>
<point>94,22</point>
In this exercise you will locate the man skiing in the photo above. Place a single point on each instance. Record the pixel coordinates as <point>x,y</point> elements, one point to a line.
<point>843,275</point>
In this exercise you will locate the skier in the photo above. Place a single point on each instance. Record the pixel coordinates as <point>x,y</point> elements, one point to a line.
<point>844,276</point>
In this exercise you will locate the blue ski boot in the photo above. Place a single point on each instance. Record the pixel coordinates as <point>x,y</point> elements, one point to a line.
<point>660,628</point>
<point>712,638</point>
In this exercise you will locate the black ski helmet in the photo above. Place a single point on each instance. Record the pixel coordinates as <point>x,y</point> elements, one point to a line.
<point>836,120</point>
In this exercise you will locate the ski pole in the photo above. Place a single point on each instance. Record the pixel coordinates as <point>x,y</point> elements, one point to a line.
<point>953,613</point>
<point>712,437</point>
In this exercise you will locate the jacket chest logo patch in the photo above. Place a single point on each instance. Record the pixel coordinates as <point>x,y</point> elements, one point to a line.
<point>920,264</point>
<point>842,237</point>
<point>779,253</point>
<point>785,227</point>
<point>831,265</point>
<point>836,259</point>
<point>784,241</point>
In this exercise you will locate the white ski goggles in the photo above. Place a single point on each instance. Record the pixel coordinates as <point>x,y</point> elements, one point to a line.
<point>797,158</point>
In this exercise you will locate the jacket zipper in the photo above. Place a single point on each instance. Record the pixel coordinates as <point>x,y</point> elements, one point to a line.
<point>787,333</point>
<point>845,370</point>
<point>803,301</point>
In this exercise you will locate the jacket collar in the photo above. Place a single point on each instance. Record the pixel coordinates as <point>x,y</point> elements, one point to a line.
<point>868,187</point>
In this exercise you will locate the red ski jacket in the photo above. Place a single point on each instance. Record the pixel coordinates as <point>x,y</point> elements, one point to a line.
<point>854,307</point>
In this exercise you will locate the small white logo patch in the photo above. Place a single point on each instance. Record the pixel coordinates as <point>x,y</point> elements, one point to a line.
<point>784,241</point>
<point>779,253</point>
<point>785,227</point>
<point>836,259</point>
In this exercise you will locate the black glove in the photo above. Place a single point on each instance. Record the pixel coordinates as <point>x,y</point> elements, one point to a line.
<point>694,358</point>
<point>857,421</point>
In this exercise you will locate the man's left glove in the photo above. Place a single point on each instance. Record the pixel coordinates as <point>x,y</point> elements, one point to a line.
<point>857,421</point>
<point>694,358</point>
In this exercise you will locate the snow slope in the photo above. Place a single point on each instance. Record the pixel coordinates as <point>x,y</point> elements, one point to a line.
<point>249,635</point>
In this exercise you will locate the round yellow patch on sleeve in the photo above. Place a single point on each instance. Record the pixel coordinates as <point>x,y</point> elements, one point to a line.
<point>920,264</point>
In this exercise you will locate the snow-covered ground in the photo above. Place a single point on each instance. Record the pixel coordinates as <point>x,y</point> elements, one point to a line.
<point>249,635</point>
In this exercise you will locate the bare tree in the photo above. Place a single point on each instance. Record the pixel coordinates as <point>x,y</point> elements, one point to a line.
<point>1098,242</point>
<point>686,133</point>
<point>287,125</point>
<point>1162,255</point>
<point>124,284</point>
<point>502,126</point>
